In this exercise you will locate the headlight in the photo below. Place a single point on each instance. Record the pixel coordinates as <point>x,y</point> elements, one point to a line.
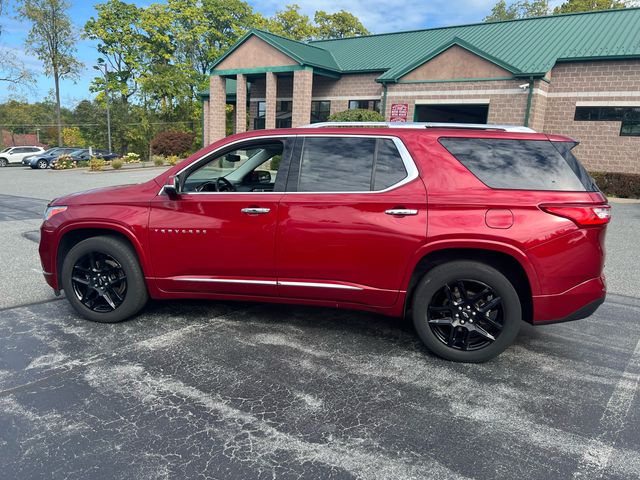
<point>52,211</point>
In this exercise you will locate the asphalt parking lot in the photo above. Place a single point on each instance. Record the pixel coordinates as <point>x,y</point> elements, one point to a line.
<point>233,390</point>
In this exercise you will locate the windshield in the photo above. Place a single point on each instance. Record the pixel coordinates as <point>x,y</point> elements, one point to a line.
<point>6,149</point>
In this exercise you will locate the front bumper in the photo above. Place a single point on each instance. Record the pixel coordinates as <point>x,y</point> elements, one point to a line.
<point>576,303</point>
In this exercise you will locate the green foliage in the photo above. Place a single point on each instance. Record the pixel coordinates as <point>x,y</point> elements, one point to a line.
<point>171,143</point>
<point>116,29</point>
<point>535,8</point>
<point>96,164</point>
<point>158,160</point>
<point>116,163</point>
<point>573,6</point>
<point>72,137</point>
<point>624,185</point>
<point>357,115</point>
<point>520,9</point>
<point>341,24</point>
<point>173,160</point>
<point>291,23</point>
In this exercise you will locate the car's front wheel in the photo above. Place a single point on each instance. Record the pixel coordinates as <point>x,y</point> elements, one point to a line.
<point>466,311</point>
<point>3,162</point>
<point>103,281</point>
<point>42,164</point>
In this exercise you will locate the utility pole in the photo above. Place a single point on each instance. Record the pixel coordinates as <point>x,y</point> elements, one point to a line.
<point>106,98</point>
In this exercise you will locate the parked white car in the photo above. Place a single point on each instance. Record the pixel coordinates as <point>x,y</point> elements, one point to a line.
<point>16,154</point>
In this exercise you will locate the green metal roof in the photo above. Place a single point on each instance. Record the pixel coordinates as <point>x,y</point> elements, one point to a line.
<point>525,47</point>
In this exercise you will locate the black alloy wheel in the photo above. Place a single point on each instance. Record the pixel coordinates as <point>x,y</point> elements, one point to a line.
<point>103,280</point>
<point>99,282</point>
<point>466,311</point>
<point>466,315</point>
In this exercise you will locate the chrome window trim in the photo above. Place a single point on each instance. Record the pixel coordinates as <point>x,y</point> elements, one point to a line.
<point>269,282</point>
<point>407,160</point>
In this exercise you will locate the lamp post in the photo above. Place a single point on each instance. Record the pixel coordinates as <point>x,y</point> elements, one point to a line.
<point>106,97</point>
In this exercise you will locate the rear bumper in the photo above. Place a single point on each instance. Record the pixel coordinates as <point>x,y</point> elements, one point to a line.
<point>576,303</point>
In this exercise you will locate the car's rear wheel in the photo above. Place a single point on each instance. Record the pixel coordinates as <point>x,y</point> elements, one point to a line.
<point>103,281</point>
<point>42,164</point>
<point>3,162</point>
<point>466,311</point>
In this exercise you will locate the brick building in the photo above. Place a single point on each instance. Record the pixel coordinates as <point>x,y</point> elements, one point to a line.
<point>576,74</point>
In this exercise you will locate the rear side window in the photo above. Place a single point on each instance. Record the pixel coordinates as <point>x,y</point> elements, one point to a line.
<point>349,164</point>
<point>390,168</point>
<point>519,164</point>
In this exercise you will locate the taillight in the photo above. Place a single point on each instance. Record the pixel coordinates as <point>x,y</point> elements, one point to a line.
<point>581,215</point>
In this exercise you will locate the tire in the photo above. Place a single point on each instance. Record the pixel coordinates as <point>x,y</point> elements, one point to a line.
<point>3,162</point>
<point>42,164</point>
<point>104,252</point>
<point>458,307</point>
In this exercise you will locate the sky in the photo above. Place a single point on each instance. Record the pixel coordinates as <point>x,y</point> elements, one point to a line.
<point>378,16</point>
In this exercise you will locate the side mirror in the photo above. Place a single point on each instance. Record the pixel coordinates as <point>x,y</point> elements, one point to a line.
<point>171,188</point>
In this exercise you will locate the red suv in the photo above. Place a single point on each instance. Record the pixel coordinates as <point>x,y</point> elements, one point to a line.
<point>472,229</point>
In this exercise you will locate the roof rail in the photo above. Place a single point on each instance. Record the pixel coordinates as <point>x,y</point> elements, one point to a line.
<point>470,126</point>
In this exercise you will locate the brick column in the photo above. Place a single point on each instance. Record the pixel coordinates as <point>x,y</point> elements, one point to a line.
<point>241,103</point>
<point>217,104</point>
<point>270,97</point>
<point>205,123</point>
<point>302,87</point>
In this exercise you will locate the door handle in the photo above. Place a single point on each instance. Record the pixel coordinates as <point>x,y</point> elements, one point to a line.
<point>400,212</point>
<point>255,210</point>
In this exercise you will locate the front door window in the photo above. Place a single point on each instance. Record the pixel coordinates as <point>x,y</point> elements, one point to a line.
<point>250,168</point>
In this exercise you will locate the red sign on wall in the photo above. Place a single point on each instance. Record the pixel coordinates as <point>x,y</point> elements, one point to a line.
<point>399,112</point>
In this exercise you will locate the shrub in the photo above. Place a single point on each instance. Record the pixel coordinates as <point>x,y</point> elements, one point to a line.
<point>624,185</point>
<point>116,163</point>
<point>131,158</point>
<point>173,159</point>
<point>172,143</point>
<point>65,162</point>
<point>82,164</point>
<point>158,160</point>
<point>357,115</point>
<point>96,164</point>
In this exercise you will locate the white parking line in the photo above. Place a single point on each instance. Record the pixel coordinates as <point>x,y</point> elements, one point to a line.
<point>596,457</point>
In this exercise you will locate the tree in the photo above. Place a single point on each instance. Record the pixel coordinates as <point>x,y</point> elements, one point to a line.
<point>341,24</point>
<point>572,6</point>
<point>117,31</point>
<point>72,137</point>
<point>52,38</point>
<point>522,9</point>
<point>292,24</point>
<point>12,70</point>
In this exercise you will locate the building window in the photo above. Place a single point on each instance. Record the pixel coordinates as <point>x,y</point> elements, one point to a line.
<point>320,111</point>
<point>258,122</point>
<point>630,129</point>
<point>629,116</point>
<point>365,105</point>
<point>283,114</point>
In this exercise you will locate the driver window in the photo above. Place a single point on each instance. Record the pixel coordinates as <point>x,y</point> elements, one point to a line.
<point>250,168</point>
